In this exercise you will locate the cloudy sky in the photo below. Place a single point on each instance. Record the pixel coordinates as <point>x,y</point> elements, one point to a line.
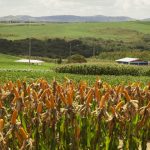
<point>132,8</point>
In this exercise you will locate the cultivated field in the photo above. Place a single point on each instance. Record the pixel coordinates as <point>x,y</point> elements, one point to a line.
<point>10,70</point>
<point>97,105</point>
<point>69,115</point>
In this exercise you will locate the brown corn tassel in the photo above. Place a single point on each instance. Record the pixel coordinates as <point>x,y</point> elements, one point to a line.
<point>119,105</point>
<point>1,124</point>
<point>112,110</point>
<point>128,98</point>
<point>19,84</point>
<point>103,99</point>
<point>62,98</point>
<point>23,133</point>
<point>69,98</point>
<point>48,104</point>
<point>35,95</point>
<point>14,117</point>
<point>52,102</point>
<point>39,107</point>
<point>16,93</point>
<point>89,97</point>
<point>1,104</point>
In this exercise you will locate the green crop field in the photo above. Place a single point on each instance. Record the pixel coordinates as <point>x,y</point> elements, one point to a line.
<point>126,31</point>
<point>83,119</point>
<point>10,70</point>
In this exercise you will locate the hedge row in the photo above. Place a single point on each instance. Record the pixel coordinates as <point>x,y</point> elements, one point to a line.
<point>104,69</point>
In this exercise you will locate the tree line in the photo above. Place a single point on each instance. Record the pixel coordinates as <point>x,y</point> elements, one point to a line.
<point>56,48</point>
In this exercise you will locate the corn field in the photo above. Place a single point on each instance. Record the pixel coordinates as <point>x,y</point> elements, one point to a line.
<point>74,116</point>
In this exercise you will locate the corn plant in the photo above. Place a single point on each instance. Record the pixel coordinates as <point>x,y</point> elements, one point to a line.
<point>68,115</point>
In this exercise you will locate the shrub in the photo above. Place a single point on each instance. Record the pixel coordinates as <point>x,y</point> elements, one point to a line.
<point>77,59</point>
<point>59,60</point>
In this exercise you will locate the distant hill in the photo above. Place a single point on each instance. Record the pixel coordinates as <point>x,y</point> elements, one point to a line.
<point>147,19</point>
<point>65,18</point>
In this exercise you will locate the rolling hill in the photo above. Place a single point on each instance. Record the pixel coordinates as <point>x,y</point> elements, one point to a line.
<point>147,19</point>
<point>126,31</point>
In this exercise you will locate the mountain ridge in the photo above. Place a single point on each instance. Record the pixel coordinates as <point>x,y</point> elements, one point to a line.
<point>65,18</point>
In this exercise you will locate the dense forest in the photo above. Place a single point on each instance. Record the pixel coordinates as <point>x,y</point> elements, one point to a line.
<point>54,48</point>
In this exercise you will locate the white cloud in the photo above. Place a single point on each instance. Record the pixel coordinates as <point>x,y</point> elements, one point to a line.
<point>134,8</point>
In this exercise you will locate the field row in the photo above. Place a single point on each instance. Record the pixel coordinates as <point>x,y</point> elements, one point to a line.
<point>104,69</point>
<point>69,115</point>
<point>6,75</point>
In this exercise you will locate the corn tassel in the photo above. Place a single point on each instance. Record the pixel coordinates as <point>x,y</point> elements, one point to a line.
<point>23,133</point>
<point>62,98</point>
<point>1,106</point>
<point>128,98</point>
<point>16,93</point>
<point>48,104</point>
<point>35,95</point>
<point>14,117</point>
<point>39,107</point>
<point>89,97</point>
<point>119,105</point>
<point>1,124</point>
<point>69,98</point>
<point>103,99</point>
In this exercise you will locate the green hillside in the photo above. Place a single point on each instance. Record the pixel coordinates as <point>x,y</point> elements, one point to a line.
<point>125,31</point>
<point>7,58</point>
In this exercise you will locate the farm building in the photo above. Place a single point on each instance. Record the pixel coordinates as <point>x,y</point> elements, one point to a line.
<point>132,61</point>
<point>38,62</point>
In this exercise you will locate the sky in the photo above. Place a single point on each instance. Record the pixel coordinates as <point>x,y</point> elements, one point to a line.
<point>138,9</point>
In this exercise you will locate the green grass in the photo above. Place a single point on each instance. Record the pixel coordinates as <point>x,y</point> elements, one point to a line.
<point>125,31</point>
<point>10,70</point>
<point>8,62</point>
<point>6,76</point>
<point>7,58</point>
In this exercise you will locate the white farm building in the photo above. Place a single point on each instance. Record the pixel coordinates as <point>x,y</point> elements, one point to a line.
<point>132,61</point>
<point>38,62</point>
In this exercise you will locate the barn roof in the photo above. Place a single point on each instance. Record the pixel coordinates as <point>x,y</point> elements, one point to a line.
<point>127,59</point>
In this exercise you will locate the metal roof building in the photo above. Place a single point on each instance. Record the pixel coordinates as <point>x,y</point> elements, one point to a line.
<point>31,61</point>
<point>132,61</point>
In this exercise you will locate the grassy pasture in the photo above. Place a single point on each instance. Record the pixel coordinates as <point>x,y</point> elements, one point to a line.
<point>7,62</point>
<point>126,31</point>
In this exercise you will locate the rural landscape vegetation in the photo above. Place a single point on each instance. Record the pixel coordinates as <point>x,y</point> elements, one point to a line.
<point>79,97</point>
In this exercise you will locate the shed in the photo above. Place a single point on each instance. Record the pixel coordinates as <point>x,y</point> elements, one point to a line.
<point>32,61</point>
<point>132,61</point>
